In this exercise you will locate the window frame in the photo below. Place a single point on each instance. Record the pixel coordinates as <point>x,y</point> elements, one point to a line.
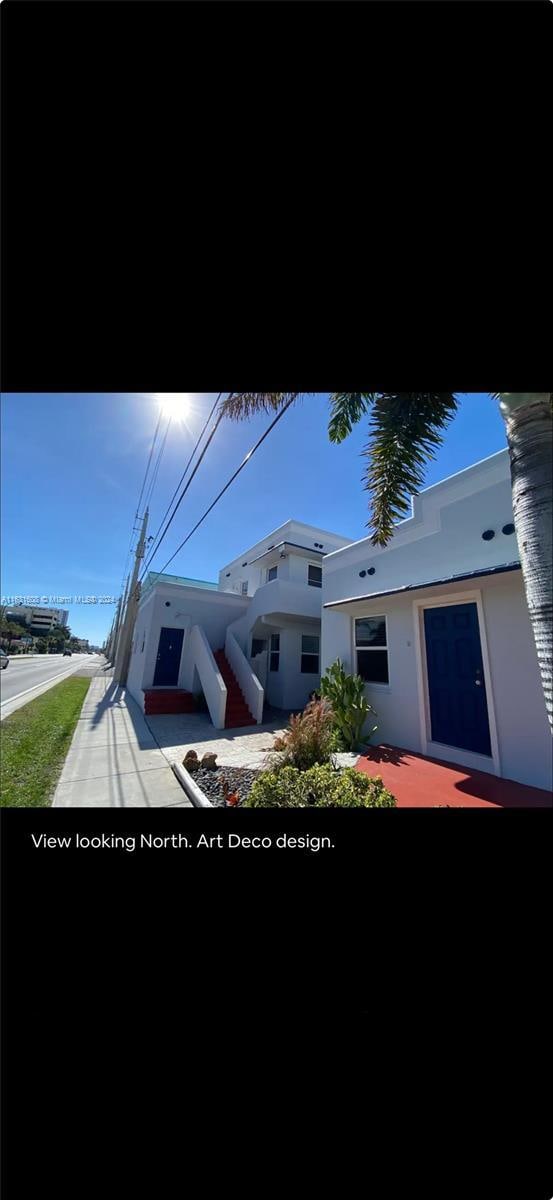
<point>386,648</point>
<point>309,654</point>
<point>319,568</point>
<point>270,577</point>
<point>243,587</point>
<point>274,654</point>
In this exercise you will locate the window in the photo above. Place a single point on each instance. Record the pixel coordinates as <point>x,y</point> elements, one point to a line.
<point>309,655</point>
<point>314,576</point>
<point>244,587</point>
<point>258,646</point>
<point>272,573</point>
<point>371,647</point>
<point>274,657</point>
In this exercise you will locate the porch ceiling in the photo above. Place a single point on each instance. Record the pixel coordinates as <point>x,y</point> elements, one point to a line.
<point>282,548</point>
<point>279,620</point>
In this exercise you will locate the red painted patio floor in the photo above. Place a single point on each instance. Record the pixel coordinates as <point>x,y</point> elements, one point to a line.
<point>419,782</point>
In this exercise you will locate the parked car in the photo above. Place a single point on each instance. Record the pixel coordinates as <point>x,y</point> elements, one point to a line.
<point>67,653</point>
<point>4,660</point>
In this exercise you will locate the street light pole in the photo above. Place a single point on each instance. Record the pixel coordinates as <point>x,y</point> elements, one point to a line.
<point>123,652</point>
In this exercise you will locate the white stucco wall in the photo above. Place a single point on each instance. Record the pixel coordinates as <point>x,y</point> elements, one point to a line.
<point>138,656</point>
<point>242,568</point>
<point>441,539</point>
<point>214,611</point>
<point>524,739</point>
<point>288,688</point>
<point>525,743</point>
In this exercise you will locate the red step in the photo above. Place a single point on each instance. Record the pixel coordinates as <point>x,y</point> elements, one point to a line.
<point>237,712</point>
<point>161,701</point>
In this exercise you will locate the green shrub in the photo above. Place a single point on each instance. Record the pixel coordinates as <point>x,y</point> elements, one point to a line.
<point>309,739</point>
<point>351,709</point>
<point>319,787</point>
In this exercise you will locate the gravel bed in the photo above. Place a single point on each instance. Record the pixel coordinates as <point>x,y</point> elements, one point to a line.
<point>239,781</point>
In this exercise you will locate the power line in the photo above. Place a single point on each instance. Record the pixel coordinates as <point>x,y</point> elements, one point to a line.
<point>154,548</point>
<point>227,485</point>
<point>150,489</point>
<point>148,497</point>
<point>148,464</point>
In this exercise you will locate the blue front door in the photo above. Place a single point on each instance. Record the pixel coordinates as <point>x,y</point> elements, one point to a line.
<point>168,657</point>
<point>456,688</point>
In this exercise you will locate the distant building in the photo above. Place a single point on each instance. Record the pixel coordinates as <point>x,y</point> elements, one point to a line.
<point>37,620</point>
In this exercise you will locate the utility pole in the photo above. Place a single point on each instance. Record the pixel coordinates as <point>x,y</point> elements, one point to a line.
<point>123,652</point>
<point>119,615</point>
<point>107,647</point>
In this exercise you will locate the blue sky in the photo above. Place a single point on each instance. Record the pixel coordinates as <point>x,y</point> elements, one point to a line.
<point>72,468</point>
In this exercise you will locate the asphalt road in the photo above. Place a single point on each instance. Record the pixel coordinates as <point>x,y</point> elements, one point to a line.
<point>23,678</point>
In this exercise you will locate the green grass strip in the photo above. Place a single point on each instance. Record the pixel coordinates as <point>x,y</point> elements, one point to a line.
<point>34,742</point>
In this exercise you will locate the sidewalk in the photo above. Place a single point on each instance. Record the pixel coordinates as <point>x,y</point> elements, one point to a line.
<point>114,760</point>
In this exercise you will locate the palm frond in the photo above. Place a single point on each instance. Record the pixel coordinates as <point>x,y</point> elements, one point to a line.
<point>240,406</point>
<point>346,409</point>
<point>406,428</point>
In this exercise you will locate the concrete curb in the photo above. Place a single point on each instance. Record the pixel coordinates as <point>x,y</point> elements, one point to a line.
<point>194,793</point>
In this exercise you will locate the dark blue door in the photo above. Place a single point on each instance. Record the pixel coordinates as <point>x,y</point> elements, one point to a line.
<point>168,657</point>
<point>456,688</point>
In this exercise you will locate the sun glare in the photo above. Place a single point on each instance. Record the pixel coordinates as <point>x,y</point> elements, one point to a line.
<point>173,404</point>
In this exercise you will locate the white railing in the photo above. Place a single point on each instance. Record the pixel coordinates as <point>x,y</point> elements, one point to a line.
<point>248,682</point>
<point>211,679</point>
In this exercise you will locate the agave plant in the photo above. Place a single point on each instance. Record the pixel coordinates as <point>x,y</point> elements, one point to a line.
<point>350,706</point>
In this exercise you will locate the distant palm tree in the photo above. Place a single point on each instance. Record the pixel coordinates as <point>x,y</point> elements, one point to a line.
<point>405,428</point>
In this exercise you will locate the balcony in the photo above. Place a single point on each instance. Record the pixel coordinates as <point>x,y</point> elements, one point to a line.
<point>281,599</point>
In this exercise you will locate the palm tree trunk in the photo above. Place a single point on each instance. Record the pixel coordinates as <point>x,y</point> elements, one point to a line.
<point>529,422</point>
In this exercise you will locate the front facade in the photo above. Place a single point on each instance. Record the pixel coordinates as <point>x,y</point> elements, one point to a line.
<point>280,631</point>
<point>437,625</point>
<point>263,617</point>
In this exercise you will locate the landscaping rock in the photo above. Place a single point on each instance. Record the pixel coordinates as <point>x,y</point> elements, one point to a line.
<point>190,762</point>
<point>238,780</point>
<point>209,762</point>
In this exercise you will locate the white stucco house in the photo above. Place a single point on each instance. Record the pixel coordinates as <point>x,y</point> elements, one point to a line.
<point>437,624</point>
<point>250,639</point>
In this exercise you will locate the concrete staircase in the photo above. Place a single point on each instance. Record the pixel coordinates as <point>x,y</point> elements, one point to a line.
<point>237,713</point>
<point>160,701</point>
